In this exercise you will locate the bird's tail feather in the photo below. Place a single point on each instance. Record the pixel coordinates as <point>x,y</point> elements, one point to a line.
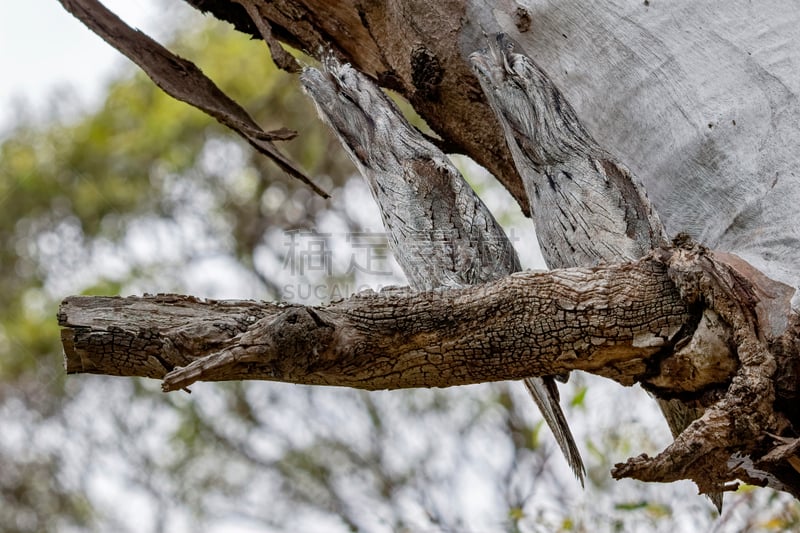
<point>545,394</point>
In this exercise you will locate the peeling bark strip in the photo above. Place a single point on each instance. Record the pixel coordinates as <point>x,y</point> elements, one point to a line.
<point>281,57</point>
<point>440,231</point>
<point>182,80</point>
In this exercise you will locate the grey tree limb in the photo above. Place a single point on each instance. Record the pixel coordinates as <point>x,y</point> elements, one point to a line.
<point>626,322</point>
<point>440,231</point>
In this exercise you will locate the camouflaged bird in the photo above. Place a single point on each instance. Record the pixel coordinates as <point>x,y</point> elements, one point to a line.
<point>587,207</point>
<point>440,231</point>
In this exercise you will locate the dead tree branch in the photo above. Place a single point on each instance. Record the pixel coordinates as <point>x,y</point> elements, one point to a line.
<point>630,322</point>
<point>181,79</point>
<point>609,321</point>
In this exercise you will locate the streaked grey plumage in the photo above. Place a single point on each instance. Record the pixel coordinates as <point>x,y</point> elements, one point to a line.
<point>587,207</point>
<point>440,231</point>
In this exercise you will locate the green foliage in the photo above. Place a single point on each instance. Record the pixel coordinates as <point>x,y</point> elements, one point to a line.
<point>580,397</point>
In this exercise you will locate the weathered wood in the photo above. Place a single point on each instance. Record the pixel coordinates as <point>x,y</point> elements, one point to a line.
<point>738,436</point>
<point>623,321</point>
<point>587,206</point>
<point>721,168</point>
<point>151,335</point>
<point>608,321</point>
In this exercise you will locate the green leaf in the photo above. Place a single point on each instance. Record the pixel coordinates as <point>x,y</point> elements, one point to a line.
<point>516,513</point>
<point>579,398</point>
<point>630,506</point>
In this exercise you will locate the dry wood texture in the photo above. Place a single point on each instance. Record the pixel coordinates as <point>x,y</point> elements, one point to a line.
<point>608,321</point>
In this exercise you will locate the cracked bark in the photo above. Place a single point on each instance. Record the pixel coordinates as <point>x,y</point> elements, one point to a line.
<point>739,434</point>
<point>621,321</point>
<point>609,321</point>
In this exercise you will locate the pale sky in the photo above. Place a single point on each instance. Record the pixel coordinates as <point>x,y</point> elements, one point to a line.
<point>42,48</point>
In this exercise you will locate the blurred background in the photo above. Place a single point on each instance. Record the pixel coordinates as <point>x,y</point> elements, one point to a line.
<point>108,186</point>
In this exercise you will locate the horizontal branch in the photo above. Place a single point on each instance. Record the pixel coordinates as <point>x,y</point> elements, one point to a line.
<point>683,321</point>
<point>608,321</point>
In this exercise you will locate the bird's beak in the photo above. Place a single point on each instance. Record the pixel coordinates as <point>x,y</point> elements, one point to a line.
<point>492,63</point>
